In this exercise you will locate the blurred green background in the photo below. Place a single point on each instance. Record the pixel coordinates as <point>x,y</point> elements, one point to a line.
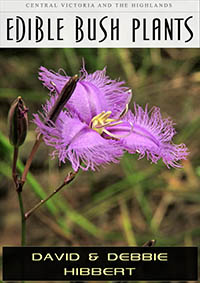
<point>123,204</point>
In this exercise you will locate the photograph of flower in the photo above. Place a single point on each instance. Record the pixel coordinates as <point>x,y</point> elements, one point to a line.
<point>98,128</point>
<point>99,147</point>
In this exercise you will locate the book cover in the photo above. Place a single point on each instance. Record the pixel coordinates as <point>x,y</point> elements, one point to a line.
<point>99,140</point>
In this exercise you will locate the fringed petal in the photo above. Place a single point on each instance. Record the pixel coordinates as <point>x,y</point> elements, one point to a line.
<point>47,77</point>
<point>150,135</point>
<point>94,93</point>
<point>82,146</point>
<point>115,94</point>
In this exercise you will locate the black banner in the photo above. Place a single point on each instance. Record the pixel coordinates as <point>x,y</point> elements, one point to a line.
<point>100,263</point>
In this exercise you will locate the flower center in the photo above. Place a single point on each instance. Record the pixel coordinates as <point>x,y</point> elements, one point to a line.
<point>102,120</point>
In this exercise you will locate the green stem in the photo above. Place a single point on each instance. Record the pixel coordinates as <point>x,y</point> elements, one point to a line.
<point>23,220</point>
<point>30,159</point>
<point>68,179</point>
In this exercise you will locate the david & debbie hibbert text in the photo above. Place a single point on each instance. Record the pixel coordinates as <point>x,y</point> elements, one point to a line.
<point>99,270</point>
<point>37,29</point>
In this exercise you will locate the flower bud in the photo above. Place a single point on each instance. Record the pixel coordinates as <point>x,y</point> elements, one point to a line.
<point>63,97</point>
<point>17,122</point>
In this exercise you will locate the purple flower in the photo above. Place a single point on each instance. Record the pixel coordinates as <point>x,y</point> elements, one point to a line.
<point>96,126</point>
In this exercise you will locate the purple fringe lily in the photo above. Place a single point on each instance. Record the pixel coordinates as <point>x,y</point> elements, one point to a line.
<point>96,127</point>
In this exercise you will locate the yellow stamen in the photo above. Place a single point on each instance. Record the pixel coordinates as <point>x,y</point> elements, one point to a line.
<point>110,125</point>
<point>99,121</point>
<point>102,120</point>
